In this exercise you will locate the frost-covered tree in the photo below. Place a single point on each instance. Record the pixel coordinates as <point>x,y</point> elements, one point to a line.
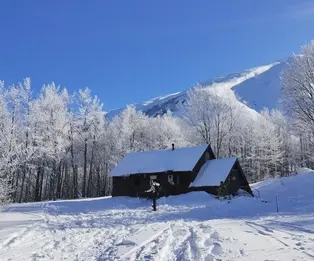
<point>199,114</point>
<point>288,142</point>
<point>165,130</point>
<point>21,99</point>
<point>49,123</point>
<point>298,100</point>
<point>130,127</point>
<point>5,175</point>
<point>268,149</point>
<point>5,191</point>
<point>298,87</point>
<point>214,117</point>
<point>90,122</point>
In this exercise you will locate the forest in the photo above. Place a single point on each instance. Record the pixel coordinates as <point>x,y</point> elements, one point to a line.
<point>60,145</point>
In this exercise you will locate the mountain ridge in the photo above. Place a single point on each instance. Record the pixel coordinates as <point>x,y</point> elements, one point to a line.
<point>257,88</point>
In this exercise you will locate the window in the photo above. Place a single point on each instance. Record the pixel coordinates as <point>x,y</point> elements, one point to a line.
<point>153,177</point>
<point>170,179</point>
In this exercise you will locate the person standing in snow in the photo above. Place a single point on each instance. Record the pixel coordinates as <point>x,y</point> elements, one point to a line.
<point>154,189</point>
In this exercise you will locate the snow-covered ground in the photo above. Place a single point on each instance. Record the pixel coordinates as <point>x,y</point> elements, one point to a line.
<point>194,226</point>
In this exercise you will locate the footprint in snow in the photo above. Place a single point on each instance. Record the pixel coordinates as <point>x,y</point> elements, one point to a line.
<point>242,252</point>
<point>214,235</point>
<point>205,228</point>
<point>127,243</point>
<point>208,242</point>
<point>209,258</point>
<point>217,250</point>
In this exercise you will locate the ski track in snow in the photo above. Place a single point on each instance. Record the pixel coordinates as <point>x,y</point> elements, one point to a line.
<point>182,242</point>
<point>185,228</point>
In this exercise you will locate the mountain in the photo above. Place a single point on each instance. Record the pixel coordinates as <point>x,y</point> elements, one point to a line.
<point>258,87</point>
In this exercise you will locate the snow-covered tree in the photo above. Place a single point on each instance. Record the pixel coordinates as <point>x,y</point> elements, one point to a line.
<point>165,130</point>
<point>298,87</point>
<point>5,176</point>
<point>214,116</point>
<point>49,123</point>
<point>298,100</point>
<point>90,120</point>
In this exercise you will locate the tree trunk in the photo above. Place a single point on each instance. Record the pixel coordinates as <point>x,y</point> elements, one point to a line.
<point>23,183</point>
<point>98,181</point>
<point>59,181</point>
<point>37,186</point>
<point>90,178</point>
<point>85,169</point>
<point>74,167</point>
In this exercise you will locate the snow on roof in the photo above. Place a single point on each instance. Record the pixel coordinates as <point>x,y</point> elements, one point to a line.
<point>182,159</point>
<point>213,171</point>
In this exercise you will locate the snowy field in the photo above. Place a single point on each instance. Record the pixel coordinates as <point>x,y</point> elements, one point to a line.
<point>187,227</point>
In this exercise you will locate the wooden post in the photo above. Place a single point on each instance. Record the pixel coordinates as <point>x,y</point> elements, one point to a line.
<point>154,203</point>
<point>277,203</point>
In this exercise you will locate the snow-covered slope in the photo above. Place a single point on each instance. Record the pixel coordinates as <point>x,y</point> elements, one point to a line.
<point>194,226</point>
<point>258,87</point>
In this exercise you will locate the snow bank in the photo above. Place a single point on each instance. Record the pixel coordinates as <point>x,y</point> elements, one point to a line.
<point>293,193</point>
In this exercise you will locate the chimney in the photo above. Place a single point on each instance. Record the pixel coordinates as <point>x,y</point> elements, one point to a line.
<point>172,146</point>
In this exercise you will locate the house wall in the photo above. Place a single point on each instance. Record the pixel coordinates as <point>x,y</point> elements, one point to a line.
<point>209,189</point>
<point>136,185</point>
<point>236,180</point>
<point>202,161</point>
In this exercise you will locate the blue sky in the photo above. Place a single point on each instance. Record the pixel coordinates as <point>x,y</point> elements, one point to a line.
<point>130,51</point>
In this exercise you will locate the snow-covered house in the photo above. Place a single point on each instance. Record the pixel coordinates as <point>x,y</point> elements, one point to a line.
<point>177,170</point>
<point>227,170</point>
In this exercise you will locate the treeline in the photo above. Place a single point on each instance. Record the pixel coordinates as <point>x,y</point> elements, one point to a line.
<point>61,146</point>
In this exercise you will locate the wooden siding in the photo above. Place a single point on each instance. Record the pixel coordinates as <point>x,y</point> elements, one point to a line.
<point>135,185</point>
<point>202,160</point>
<point>209,189</point>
